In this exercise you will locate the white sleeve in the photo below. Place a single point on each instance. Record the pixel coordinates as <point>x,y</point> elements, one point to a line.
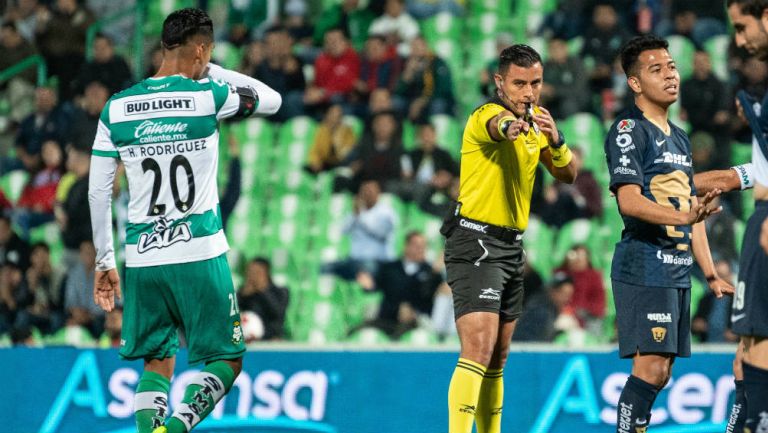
<point>269,101</point>
<point>100,180</point>
<point>746,174</point>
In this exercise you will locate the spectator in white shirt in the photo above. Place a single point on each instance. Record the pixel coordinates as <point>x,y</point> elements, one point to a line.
<point>397,25</point>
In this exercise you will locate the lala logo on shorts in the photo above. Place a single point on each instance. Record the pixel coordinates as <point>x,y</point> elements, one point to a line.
<point>659,333</point>
<point>164,235</point>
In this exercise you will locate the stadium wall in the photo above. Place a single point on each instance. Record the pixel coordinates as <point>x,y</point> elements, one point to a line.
<point>349,390</point>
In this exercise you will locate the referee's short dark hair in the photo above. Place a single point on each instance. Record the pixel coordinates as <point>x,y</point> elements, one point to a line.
<point>631,51</point>
<point>183,24</point>
<point>519,55</point>
<point>750,7</point>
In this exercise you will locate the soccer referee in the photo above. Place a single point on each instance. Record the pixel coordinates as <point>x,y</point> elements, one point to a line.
<point>504,140</point>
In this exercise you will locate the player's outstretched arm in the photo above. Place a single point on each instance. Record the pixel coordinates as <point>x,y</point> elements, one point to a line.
<point>703,255</point>
<point>269,101</point>
<point>632,203</point>
<point>739,177</point>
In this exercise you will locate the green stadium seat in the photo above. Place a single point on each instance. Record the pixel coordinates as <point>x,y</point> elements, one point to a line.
<point>586,131</point>
<point>738,233</point>
<point>356,124</point>
<point>538,241</point>
<point>227,55</point>
<point>575,45</point>
<point>13,184</point>
<point>682,50</point>
<point>449,133</point>
<point>441,26</point>
<point>741,153</point>
<point>419,337</point>
<point>369,336</point>
<point>575,232</point>
<point>717,47</point>
<point>503,8</point>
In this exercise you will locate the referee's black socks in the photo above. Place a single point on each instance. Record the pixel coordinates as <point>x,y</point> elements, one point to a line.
<point>756,390</point>
<point>634,408</point>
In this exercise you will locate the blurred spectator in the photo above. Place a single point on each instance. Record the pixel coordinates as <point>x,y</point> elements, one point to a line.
<point>74,214</point>
<point>45,282</point>
<point>532,283</point>
<point>15,297</point>
<point>106,67</point>
<point>565,89</point>
<point>19,90</point>
<point>421,9</point>
<point>487,83</point>
<point>443,318</point>
<point>248,18</point>
<point>333,142</point>
<point>35,206</point>
<point>113,326</point>
<point>712,318</point>
<point>588,300</point>
<point>25,14</point>
<point>23,336</point>
<point>698,20</point>
<point>409,283</point>
<point>371,230</point>
<point>60,35</point>
<point>299,28</point>
<point>548,314</point>
<point>378,69</point>
<point>705,101</point>
<point>429,168</point>
<point>78,292</point>
<point>154,61</point>
<point>231,194</point>
<point>260,295</point>
<point>50,121</point>
<point>252,59</point>
<point>348,16</point>
<point>602,41</point>
<point>379,101</point>
<point>337,70</point>
<point>703,151</point>
<point>282,71</point>
<point>397,26</point>
<point>379,153</point>
<point>439,202</point>
<point>85,119</point>
<point>561,203</point>
<point>13,249</point>
<point>120,30</point>
<point>425,87</point>
<point>565,22</point>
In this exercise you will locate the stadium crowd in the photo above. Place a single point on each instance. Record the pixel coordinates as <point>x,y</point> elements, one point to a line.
<point>370,77</point>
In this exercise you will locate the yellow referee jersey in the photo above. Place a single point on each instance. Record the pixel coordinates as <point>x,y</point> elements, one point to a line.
<point>497,176</point>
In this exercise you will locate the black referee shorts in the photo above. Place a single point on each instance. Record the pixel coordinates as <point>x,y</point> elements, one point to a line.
<point>484,273</point>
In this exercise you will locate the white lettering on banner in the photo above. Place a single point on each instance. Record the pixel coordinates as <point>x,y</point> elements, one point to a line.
<point>121,385</point>
<point>691,392</point>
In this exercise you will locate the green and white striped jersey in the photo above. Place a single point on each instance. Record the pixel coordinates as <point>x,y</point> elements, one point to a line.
<point>165,131</point>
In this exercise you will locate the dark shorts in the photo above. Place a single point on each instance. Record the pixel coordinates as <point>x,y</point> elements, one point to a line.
<point>749,315</point>
<point>485,274</point>
<point>652,319</point>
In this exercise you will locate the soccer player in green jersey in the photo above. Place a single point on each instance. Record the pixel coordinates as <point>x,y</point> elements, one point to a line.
<point>165,131</point>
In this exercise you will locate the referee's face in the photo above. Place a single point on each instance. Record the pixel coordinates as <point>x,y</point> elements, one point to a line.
<point>520,86</point>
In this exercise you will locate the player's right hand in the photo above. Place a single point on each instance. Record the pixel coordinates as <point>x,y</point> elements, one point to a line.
<point>703,209</point>
<point>105,287</point>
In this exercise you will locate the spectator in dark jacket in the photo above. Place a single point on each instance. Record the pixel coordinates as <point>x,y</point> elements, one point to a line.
<point>74,214</point>
<point>429,168</point>
<point>260,295</point>
<point>282,71</point>
<point>539,320</point>
<point>106,67</point>
<point>378,155</point>
<point>12,247</point>
<point>602,42</point>
<point>50,121</point>
<point>425,87</point>
<point>86,117</point>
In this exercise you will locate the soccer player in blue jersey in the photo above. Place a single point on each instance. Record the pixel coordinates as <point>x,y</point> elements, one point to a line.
<point>649,160</point>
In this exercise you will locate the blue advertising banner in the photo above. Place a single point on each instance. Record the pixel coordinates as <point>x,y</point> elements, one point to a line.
<point>64,390</point>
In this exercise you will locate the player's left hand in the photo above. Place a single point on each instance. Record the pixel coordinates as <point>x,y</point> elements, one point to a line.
<point>547,125</point>
<point>764,236</point>
<point>720,287</point>
<point>106,286</point>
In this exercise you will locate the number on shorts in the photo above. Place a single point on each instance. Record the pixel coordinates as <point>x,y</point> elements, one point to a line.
<point>738,299</point>
<point>233,309</point>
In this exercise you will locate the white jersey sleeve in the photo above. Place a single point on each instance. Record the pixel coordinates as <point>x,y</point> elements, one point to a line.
<point>268,100</point>
<point>100,181</point>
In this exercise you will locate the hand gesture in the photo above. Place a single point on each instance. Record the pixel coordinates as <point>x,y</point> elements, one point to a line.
<point>106,286</point>
<point>516,127</point>
<point>720,287</point>
<point>547,125</point>
<point>703,210</point>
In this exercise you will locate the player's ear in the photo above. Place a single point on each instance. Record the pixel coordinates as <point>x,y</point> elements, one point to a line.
<point>634,84</point>
<point>499,80</point>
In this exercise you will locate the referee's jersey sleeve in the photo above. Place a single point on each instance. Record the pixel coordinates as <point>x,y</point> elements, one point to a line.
<point>476,133</point>
<point>624,149</point>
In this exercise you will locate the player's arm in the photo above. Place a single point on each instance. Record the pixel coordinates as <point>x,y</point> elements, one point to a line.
<point>703,256</point>
<point>634,204</point>
<point>100,182</point>
<point>739,177</point>
<point>254,97</point>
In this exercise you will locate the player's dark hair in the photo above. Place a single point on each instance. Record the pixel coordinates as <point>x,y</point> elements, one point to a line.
<point>519,55</point>
<point>750,7</point>
<point>631,51</point>
<point>183,24</point>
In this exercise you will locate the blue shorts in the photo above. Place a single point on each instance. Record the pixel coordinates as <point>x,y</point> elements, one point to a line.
<point>652,319</point>
<point>749,315</point>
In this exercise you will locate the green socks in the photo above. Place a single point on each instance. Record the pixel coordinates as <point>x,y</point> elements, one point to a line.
<point>150,404</point>
<point>206,389</point>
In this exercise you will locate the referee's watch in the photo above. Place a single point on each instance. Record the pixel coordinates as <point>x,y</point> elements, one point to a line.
<point>560,142</point>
